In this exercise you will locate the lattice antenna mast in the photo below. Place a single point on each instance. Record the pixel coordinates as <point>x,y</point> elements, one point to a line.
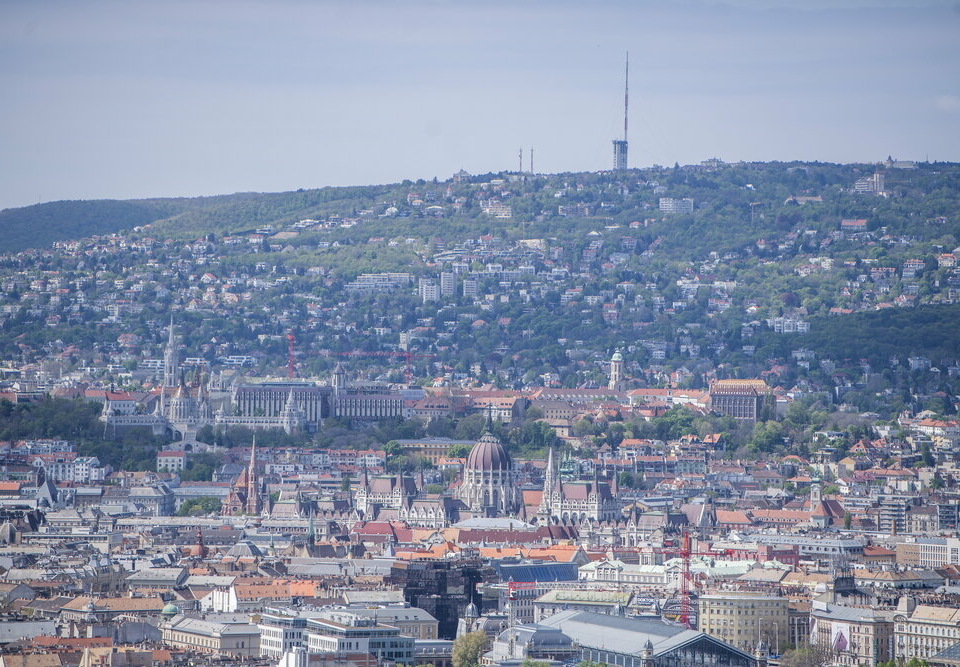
<point>620,145</point>
<point>626,96</point>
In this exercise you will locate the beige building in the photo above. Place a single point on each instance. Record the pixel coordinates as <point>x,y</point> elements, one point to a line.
<point>926,631</point>
<point>433,449</point>
<point>171,461</point>
<point>741,617</point>
<point>853,636</point>
<point>219,639</point>
<point>929,553</point>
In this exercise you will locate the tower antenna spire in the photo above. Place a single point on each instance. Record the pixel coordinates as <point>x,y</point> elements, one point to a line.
<point>620,145</point>
<point>626,95</point>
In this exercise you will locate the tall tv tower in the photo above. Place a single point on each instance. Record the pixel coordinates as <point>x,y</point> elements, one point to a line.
<point>620,145</point>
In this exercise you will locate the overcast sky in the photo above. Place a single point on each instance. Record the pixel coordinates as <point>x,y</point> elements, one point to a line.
<point>145,98</point>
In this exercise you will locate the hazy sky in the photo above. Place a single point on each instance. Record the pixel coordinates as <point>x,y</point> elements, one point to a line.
<point>144,98</point>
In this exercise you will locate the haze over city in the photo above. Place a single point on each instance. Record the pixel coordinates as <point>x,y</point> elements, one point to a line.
<point>529,333</point>
<point>132,100</point>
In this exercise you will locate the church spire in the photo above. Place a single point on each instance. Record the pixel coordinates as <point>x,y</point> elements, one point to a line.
<point>253,485</point>
<point>170,361</point>
<point>548,482</point>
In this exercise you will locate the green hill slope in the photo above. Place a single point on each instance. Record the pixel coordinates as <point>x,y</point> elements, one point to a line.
<point>41,225</point>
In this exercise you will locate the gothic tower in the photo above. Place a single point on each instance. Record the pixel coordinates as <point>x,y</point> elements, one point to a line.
<point>170,361</point>
<point>546,503</point>
<point>254,504</point>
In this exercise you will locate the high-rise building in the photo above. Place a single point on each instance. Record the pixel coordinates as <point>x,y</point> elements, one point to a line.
<point>429,290</point>
<point>448,283</point>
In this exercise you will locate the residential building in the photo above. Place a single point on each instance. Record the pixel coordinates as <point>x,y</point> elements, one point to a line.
<point>341,631</point>
<point>853,635</point>
<point>926,631</point>
<point>739,617</point>
<point>929,552</point>
<point>223,640</point>
<point>675,205</point>
<point>171,461</point>
<point>281,630</point>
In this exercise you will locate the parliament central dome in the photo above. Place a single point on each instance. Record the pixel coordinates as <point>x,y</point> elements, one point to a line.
<point>489,486</point>
<point>489,454</point>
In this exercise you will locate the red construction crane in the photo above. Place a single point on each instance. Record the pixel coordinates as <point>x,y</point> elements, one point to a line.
<point>685,552</point>
<point>406,354</point>
<point>291,359</point>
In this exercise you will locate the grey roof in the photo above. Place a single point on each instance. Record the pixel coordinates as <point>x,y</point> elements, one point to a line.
<point>835,612</point>
<point>838,542</point>
<point>340,566</point>
<point>539,636</point>
<point>11,631</point>
<point>165,574</point>
<point>368,597</point>
<point>951,654</point>
<point>211,628</point>
<point>391,613</point>
<point>201,491</point>
<point>245,549</point>
<point>622,634</point>
<point>209,580</point>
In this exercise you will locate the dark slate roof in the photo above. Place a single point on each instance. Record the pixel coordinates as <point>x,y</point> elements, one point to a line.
<point>948,655</point>
<point>536,571</point>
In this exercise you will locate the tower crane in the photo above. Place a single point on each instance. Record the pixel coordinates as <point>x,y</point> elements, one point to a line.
<point>685,552</point>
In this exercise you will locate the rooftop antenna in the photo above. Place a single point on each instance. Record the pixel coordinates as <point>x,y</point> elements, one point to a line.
<point>521,159</point>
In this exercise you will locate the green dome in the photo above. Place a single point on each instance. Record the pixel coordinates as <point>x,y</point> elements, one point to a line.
<point>170,610</point>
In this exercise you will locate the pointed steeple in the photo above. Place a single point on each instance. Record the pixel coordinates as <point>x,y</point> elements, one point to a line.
<point>170,361</point>
<point>199,549</point>
<point>253,484</point>
<point>546,504</point>
<point>404,500</point>
<point>311,531</point>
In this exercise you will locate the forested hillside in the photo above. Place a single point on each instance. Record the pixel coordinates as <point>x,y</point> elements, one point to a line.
<point>734,206</point>
<point>821,277</point>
